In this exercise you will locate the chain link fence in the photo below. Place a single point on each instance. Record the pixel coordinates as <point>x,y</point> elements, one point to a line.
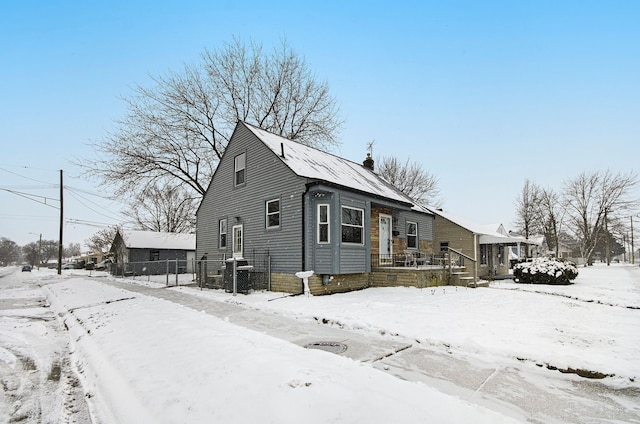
<point>235,275</point>
<point>176,271</point>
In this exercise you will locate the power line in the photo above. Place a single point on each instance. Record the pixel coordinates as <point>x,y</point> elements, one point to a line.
<point>25,177</point>
<point>30,167</point>
<point>33,197</point>
<point>28,187</point>
<point>88,223</point>
<point>75,196</point>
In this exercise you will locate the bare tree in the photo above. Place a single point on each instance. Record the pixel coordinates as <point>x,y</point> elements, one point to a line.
<point>592,199</point>
<point>528,219</point>
<point>100,242</point>
<point>9,251</point>
<point>73,249</point>
<point>552,214</point>
<point>31,253</point>
<point>48,251</point>
<point>164,208</point>
<point>411,179</point>
<point>178,130</point>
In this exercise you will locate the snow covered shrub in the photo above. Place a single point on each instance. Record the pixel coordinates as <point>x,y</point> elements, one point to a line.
<point>545,271</point>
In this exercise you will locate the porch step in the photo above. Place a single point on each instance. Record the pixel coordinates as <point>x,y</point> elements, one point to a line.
<point>467,281</point>
<point>462,278</point>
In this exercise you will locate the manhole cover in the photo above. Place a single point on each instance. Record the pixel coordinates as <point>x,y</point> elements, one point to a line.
<point>333,347</point>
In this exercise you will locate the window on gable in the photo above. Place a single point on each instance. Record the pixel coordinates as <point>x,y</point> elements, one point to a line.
<point>239,168</point>
<point>352,225</point>
<point>223,233</point>
<point>154,255</point>
<point>323,224</point>
<point>273,213</point>
<point>412,235</point>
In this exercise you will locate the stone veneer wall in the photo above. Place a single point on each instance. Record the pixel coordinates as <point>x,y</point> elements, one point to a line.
<point>289,283</point>
<point>409,278</point>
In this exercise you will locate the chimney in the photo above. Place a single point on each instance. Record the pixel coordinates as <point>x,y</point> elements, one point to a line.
<point>368,162</point>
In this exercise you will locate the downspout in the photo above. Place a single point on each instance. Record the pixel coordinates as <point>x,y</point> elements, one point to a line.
<point>304,250</point>
<point>475,255</point>
<point>304,247</point>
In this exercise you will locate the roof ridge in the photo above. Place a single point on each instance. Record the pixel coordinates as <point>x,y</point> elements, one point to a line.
<point>306,146</point>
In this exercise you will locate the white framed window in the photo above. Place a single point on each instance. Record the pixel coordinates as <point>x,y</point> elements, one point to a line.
<point>323,224</point>
<point>272,209</point>
<point>412,235</point>
<point>352,225</point>
<point>237,241</point>
<point>223,233</point>
<point>240,163</point>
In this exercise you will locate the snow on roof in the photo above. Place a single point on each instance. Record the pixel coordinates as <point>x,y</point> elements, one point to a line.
<point>158,240</point>
<point>489,233</point>
<point>312,163</point>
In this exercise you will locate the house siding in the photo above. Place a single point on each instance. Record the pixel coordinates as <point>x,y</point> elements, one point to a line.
<point>321,258</point>
<point>143,255</point>
<point>354,258</point>
<point>459,238</point>
<point>266,178</point>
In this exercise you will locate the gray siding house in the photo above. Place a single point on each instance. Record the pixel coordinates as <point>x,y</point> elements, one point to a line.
<point>309,209</point>
<point>151,250</point>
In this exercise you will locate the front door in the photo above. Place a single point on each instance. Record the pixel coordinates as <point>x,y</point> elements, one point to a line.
<point>237,241</point>
<point>386,240</point>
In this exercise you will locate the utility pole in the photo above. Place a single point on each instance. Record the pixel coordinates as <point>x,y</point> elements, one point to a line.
<point>633,252</point>
<point>39,251</point>
<point>606,234</point>
<point>61,225</point>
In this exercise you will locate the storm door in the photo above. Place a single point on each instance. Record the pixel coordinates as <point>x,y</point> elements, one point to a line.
<point>237,241</point>
<point>386,240</point>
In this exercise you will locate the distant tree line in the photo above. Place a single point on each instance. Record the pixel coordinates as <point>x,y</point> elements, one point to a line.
<point>590,212</point>
<point>34,253</point>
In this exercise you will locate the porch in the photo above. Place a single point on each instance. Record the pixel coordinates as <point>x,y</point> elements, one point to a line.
<point>421,269</point>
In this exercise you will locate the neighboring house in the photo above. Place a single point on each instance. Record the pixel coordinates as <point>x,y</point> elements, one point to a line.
<point>153,249</point>
<point>309,209</point>
<point>490,245</point>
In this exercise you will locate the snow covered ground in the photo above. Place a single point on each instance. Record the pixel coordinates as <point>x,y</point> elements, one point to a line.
<point>145,359</point>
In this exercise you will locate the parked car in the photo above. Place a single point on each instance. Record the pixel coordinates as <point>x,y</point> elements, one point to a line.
<point>69,266</point>
<point>101,266</point>
<point>26,268</point>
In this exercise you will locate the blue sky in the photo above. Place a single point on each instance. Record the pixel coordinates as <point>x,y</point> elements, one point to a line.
<point>482,94</point>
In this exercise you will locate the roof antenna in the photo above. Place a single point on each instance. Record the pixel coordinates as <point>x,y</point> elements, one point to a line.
<point>370,146</point>
<point>282,150</point>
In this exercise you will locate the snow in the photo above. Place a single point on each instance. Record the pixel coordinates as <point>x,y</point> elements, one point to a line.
<point>145,359</point>
<point>158,240</point>
<point>593,324</point>
<point>308,162</point>
<point>489,233</point>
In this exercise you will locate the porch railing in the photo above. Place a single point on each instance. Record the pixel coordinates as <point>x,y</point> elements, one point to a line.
<point>457,259</point>
<point>408,259</point>
<point>450,258</point>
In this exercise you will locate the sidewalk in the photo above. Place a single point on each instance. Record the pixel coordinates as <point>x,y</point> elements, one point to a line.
<point>522,391</point>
